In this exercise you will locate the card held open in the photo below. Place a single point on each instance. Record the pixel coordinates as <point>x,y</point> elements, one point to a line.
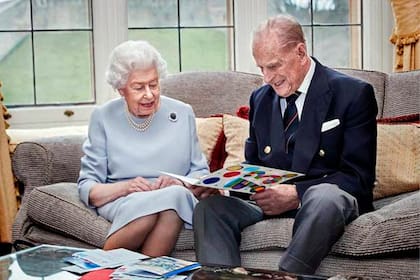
<point>245,178</point>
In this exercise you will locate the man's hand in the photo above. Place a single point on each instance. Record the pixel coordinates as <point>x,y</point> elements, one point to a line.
<point>278,199</point>
<point>203,192</point>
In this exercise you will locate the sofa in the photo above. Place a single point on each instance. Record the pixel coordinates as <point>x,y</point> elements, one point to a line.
<point>383,244</point>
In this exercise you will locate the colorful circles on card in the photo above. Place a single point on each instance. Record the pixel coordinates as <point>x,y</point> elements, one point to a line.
<point>236,183</point>
<point>290,175</point>
<point>271,179</point>
<point>255,174</point>
<point>257,188</point>
<point>211,180</point>
<point>231,174</point>
<point>234,167</point>
<point>251,169</point>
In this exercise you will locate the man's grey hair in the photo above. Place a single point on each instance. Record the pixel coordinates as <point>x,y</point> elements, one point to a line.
<point>287,29</point>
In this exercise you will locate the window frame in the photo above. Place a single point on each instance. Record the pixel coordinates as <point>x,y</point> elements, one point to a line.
<point>110,28</point>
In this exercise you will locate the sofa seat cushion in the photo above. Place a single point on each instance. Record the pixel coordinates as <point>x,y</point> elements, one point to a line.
<point>392,228</point>
<point>59,208</point>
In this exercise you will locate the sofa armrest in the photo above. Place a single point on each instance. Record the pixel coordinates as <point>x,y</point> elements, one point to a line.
<point>390,229</point>
<point>47,161</point>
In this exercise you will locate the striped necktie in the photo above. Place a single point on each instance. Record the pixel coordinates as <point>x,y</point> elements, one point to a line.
<point>291,123</point>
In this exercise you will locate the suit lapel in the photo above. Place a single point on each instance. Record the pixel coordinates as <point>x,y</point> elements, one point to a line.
<point>314,112</point>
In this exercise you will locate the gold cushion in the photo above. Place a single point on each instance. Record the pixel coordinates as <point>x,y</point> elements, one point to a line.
<point>236,132</point>
<point>210,131</point>
<point>397,164</point>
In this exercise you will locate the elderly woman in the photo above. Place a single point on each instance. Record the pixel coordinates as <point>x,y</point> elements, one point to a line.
<point>131,140</point>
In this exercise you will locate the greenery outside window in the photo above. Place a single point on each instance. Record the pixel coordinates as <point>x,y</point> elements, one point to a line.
<point>191,35</point>
<point>333,28</point>
<point>46,57</point>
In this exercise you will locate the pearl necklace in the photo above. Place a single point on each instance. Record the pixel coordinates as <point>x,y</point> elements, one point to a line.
<point>143,126</point>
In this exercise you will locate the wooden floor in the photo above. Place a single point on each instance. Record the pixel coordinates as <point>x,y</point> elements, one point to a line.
<point>5,248</point>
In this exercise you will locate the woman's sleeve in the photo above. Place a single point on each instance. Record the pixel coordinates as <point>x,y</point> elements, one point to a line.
<point>94,162</point>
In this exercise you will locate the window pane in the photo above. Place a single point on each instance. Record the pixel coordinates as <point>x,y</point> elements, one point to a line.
<point>206,49</point>
<point>164,40</point>
<point>337,11</point>
<point>152,13</point>
<point>206,12</point>
<point>16,68</point>
<point>300,9</point>
<point>63,70</point>
<point>15,15</point>
<point>338,46</point>
<point>61,14</point>
<point>307,31</point>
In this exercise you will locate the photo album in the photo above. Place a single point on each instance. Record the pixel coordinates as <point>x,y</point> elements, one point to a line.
<point>245,178</point>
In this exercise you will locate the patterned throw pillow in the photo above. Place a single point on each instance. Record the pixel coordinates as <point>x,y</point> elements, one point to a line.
<point>398,156</point>
<point>211,138</point>
<point>236,131</point>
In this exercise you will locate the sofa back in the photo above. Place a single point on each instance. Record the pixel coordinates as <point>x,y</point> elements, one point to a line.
<point>57,159</point>
<point>397,94</point>
<point>211,93</point>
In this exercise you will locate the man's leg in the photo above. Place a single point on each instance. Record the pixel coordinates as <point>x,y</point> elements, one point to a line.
<point>218,222</point>
<point>325,212</point>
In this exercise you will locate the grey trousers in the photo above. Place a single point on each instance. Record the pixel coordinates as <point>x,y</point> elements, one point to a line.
<point>325,211</point>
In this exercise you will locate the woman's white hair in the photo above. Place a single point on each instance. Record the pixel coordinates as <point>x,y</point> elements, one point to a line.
<point>130,56</point>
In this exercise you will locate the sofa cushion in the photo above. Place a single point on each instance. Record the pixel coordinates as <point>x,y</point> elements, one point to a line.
<point>374,233</point>
<point>211,92</point>
<point>392,228</point>
<point>59,208</point>
<point>48,160</point>
<point>211,138</point>
<point>398,154</point>
<point>402,94</point>
<point>236,132</point>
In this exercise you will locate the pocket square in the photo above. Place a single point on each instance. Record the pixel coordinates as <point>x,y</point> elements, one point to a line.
<point>330,125</point>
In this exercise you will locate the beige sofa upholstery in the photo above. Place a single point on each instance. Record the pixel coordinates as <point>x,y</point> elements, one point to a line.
<point>383,244</point>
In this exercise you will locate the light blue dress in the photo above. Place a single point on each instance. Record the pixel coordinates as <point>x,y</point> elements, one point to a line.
<point>115,151</point>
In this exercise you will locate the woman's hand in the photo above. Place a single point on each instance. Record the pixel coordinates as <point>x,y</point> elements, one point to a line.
<point>165,181</point>
<point>139,184</point>
<point>101,194</point>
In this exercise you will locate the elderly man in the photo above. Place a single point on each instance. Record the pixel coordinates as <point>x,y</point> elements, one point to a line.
<point>307,118</point>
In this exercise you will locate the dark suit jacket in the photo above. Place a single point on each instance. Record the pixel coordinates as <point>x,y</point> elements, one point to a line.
<point>344,155</point>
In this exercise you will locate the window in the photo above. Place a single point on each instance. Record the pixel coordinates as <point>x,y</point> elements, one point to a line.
<point>191,35</point>
<point>53,53</point>
<point>333,28</point>
<point>46,54</point>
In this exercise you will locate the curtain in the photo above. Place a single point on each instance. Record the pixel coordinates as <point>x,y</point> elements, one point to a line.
<point>8,203</point>
<point>406,34</point>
